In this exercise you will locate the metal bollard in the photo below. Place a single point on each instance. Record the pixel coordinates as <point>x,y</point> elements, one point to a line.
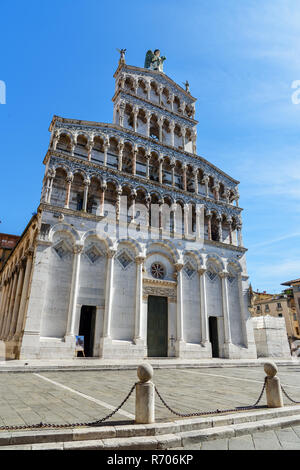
<point>144,395</point>
<point>273,387</point>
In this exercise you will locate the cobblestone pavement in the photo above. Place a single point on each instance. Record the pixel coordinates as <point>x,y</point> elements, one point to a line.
<point>279,439</point>
<point>28,398</point>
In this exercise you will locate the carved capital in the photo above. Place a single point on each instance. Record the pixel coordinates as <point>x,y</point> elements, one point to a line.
<point>178,266</point>
<point>139,259</point>
<point>77,249</point>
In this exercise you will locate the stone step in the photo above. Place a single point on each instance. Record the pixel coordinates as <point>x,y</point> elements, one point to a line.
<point>164,441</point>
<point>91,364</point>
<point>184,428</point>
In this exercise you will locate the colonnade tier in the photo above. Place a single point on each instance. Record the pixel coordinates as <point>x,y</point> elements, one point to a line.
<point>144,162</point>
<point>62,188</point>
<point>150,89</point>
<point>161,127</point>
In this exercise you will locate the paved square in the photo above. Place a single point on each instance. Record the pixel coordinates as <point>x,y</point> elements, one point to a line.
<point>81,396</point>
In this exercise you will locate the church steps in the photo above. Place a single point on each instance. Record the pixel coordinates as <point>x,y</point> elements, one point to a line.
<point>152,436</point>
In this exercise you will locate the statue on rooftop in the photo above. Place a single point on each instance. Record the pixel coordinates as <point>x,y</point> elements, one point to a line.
<point>187,86</point>
<point>153,61</point>
<point>122,55</point>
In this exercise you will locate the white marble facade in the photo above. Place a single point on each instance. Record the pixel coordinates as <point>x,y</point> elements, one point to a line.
<point>79,264</point>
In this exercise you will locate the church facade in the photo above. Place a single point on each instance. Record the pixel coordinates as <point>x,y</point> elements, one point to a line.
<point>136,244</point>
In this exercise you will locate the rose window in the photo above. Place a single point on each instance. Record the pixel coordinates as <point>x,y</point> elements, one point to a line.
<point>157,271</point>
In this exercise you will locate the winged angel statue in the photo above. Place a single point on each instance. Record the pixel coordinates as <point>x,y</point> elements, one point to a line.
<point>153,61</point>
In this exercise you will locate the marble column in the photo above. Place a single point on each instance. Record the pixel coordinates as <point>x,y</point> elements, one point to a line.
<point>25,293</point>
<point>105,149</point>
<point>230,230</point>
<point>196,180</point>
<point>89,149</point>
<point>203,308</point>
<point>186,211</point>
<point>148,156</point>
<point>184,168</point>
<point>102,198</point>
<point>179,312</point>
<point>135,115</point>
<point>69,180</point>
<point>135,151</point>
<point>220,229</point>
<point>209,216</point>
<point>6,306</point>
<point>120,160</point>
<point>148,117</point>
<point>199,222</point>
<point>173,173</point>
<point>225,305</point>
<point>239,235</point>
<point>70,332</point>
<point>49,190</point>
<point>10,306</point>
<point>242,307</point>
<point>132,205</point>
<point>173,209</point>
<point>160,171</point>
<point>216,189</point>
<point>172,128</point>
<point>85,194</point>
<point>3,298</point>
<point>172,101</point>
<point>138,298</point>
<point>108,293</point>
<point>160,125</point>
<point>118,202</point>
<point>205,181</point>
<point>183,132</point>
<point>17,300</point>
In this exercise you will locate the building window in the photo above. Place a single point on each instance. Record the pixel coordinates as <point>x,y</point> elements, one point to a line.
<point>279,306</point>
<point>295,316</point>
<point>280,314</point>
<point>157,271</point>
<point>267,308</point>
<point>258,308</point>
<point>297,330</point>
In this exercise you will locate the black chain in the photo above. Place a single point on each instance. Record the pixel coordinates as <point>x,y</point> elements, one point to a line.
<point>98,422</point>
<point>199,413</point>
<point>72,425</point>
<point>288,397</point>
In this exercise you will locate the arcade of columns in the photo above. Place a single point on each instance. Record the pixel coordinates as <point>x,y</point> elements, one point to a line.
<point>14,289</point>
<point>93,146</point>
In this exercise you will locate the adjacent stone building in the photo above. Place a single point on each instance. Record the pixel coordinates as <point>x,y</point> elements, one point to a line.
<point>294,294</point>
<point>7,244</point>
<point>278,305</point>
<point>137,242</point>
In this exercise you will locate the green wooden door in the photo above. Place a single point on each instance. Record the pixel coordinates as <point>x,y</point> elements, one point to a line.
<point>157,326</point>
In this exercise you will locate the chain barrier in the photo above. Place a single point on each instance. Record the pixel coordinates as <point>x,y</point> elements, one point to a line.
<point>182,415</point>
<point>288,397</point>
<point>72,425</point>
<point>200,413</point>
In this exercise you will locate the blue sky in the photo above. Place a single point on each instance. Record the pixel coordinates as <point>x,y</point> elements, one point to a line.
<point>240,57</point>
